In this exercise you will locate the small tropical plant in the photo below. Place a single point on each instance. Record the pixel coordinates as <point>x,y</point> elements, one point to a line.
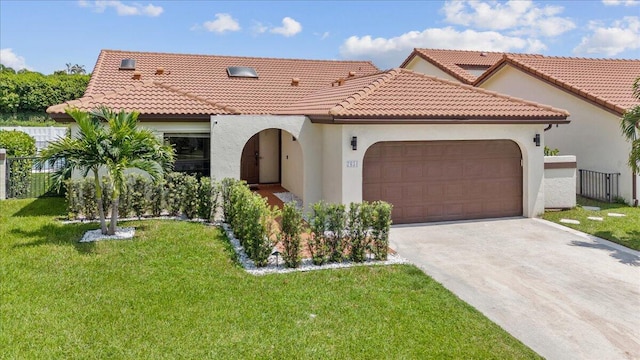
<point>89,202</point>
<point>140,194</point>
<point>317,242</point>
<point>359,221</point>
<point>336,236</point>
<point>380,225</point>
<point>189,197</point>
<point>206,193</point>
<point>174,192</point>
<point>110,140</point>
<point>630,126</point>
<point>290,235</point>
<point>156,203</point>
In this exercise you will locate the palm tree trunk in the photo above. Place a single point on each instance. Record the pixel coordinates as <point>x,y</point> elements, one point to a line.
<point>103,221</point>
<point>114,216</point>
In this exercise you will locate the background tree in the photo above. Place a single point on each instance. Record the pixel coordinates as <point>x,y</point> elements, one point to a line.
<point>111,141</point>
<point>631,129</point>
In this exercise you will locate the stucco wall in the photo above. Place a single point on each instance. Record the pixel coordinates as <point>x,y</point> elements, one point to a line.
<point>332,164</point>
<point>229,133</point>
<point>593,135</point>
<point>269,156</point>
<point>420,65</point>
<point>533,157</point>
<point>292,177</point>
<point>559,182</point>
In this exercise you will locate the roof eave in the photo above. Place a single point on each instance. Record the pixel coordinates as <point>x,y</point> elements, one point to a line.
<point>445,120</point>
<point>65,118</point>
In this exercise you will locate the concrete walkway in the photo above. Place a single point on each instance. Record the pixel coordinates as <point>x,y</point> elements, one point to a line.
<point>562,293</point>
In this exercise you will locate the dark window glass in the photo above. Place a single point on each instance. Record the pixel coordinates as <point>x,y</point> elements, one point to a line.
<point>192,153</point>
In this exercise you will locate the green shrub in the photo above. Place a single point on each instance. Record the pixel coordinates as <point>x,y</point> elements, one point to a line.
<point>125,207</point>
<point>19,144</point>
<point>140,194</point>
<point>337,221</point>
<point>263,242</point>
<point>106,195</point>
<point>205,198</point>
<point>550,152</point>
<point>156,203</point>
<point>190,193</point>
<point>225,189</point>
<point>380,229</point>
<point>359,220</point>
<point>73,195</point>
<point>174,192</point>
<point>317,242</point>
<point>89,203</point>
<point>290,235</point>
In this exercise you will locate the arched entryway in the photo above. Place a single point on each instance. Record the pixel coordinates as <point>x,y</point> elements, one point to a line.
<point>273,156</point>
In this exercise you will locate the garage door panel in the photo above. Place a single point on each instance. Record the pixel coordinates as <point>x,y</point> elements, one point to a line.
<point>445,180</point>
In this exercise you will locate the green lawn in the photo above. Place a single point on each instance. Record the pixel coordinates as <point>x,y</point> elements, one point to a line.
<point>621,230</point>
<point>176,292</point>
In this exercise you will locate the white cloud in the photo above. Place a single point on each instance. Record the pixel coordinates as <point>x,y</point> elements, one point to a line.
<point>621,2</point>
<point>10,59</point>
<point>611,40</point>
<point>223,23</point>
<point>389,52</point>
<point>520,17</point>
<point>123,9</point>
<point>259,28</point>
<point>289,27</point>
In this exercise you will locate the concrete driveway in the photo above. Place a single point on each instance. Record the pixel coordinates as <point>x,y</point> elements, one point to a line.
<point>562,293</point>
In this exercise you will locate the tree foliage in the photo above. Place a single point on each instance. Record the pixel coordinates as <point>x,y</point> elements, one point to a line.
<point>18,144</point>
<point>112,141</point>
<point>28,91</point>
<point>630,126</point>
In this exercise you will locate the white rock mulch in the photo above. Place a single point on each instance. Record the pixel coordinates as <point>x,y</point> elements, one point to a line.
<point>96,235</point>
<point>570,221</point>
<point>616,215</point>
<point>286,197</point>
<point>307,264</point>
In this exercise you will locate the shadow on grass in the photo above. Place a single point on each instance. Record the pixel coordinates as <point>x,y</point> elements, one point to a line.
<point>622,257</point>
<point>60,235</point>
<point>51,206</point>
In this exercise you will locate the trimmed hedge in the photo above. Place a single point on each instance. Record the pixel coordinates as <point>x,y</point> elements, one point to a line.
<point>17,144</point>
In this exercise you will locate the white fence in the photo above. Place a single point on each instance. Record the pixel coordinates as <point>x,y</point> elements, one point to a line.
<point>43,135</point>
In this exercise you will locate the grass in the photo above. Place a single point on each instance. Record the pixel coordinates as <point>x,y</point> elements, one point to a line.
<point>622,230</point>
<point>176,292</point>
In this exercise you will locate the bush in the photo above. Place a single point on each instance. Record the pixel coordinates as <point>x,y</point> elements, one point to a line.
<point>317,242</point>
<point>207,197</point>
<point>380,229</point>
<point>140,191</point>
<point>359,220</point>
<point>190,202</point>
<point>290,236</point>
<point>74,198</point>
<point>18,144</point>
<point>225,189</point>
<point>337,221</point>
<point>107,191</point>
<point>156,203</point>
<point>89,203</point>
<point>174,192</point>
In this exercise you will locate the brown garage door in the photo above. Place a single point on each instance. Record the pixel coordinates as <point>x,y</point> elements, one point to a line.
<point>445,180</point>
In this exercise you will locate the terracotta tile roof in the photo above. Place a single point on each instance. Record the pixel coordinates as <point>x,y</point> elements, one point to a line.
<point>404,94</point>
<point>204,78</point>
<point>454,62</point>
<point>607,82</point>
<point>148,97</point>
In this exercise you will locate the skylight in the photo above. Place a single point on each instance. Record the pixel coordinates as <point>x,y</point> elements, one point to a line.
<point>242,71</point>
<point>128,64</point>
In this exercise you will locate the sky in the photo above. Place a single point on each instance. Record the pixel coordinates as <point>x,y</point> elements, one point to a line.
<point>43,36</point>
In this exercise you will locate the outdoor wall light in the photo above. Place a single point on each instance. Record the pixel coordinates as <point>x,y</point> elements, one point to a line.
<point>354,143</point>
<point>536,139</point>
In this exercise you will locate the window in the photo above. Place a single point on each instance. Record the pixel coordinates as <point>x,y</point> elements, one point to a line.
<point>242,71</point>
<point>192,152</point>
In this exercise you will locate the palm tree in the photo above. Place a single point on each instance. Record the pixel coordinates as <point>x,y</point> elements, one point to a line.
<point>116,147</point>
<point>129,147</point>
<point>630,126</point>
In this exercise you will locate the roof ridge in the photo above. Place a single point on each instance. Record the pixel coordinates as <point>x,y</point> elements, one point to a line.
<point>524,55</point>
<point>194,96</point>
<point>489,92</point>
<point>236,57</point>
<point>367,90</point>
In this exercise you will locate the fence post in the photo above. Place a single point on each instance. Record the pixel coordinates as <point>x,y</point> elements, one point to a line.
<point>3,174</point>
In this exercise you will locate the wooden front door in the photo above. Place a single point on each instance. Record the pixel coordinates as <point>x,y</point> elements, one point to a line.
<point>250,162</point>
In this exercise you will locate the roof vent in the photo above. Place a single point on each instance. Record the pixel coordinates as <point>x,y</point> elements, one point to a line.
<point>242,71</point>
<point>128,64</point>
<point>160,71</point>
<point>136,75</point>
<point>295,81</point>
<point>352,73</point>
<point>483,54</point>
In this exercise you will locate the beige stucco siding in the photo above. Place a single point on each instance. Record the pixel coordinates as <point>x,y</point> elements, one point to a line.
<point>333,148</point>
<point>420,65</point>
<point>533,157</point>
<point>292,165</point>
<point>593,135</point>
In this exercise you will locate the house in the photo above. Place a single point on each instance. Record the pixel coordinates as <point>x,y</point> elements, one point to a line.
<point>596,92</point>
<point>341,131</point>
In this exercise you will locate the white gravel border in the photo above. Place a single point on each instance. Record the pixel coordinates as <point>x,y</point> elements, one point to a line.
<point>96,235</point>
<point>307,264</point>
